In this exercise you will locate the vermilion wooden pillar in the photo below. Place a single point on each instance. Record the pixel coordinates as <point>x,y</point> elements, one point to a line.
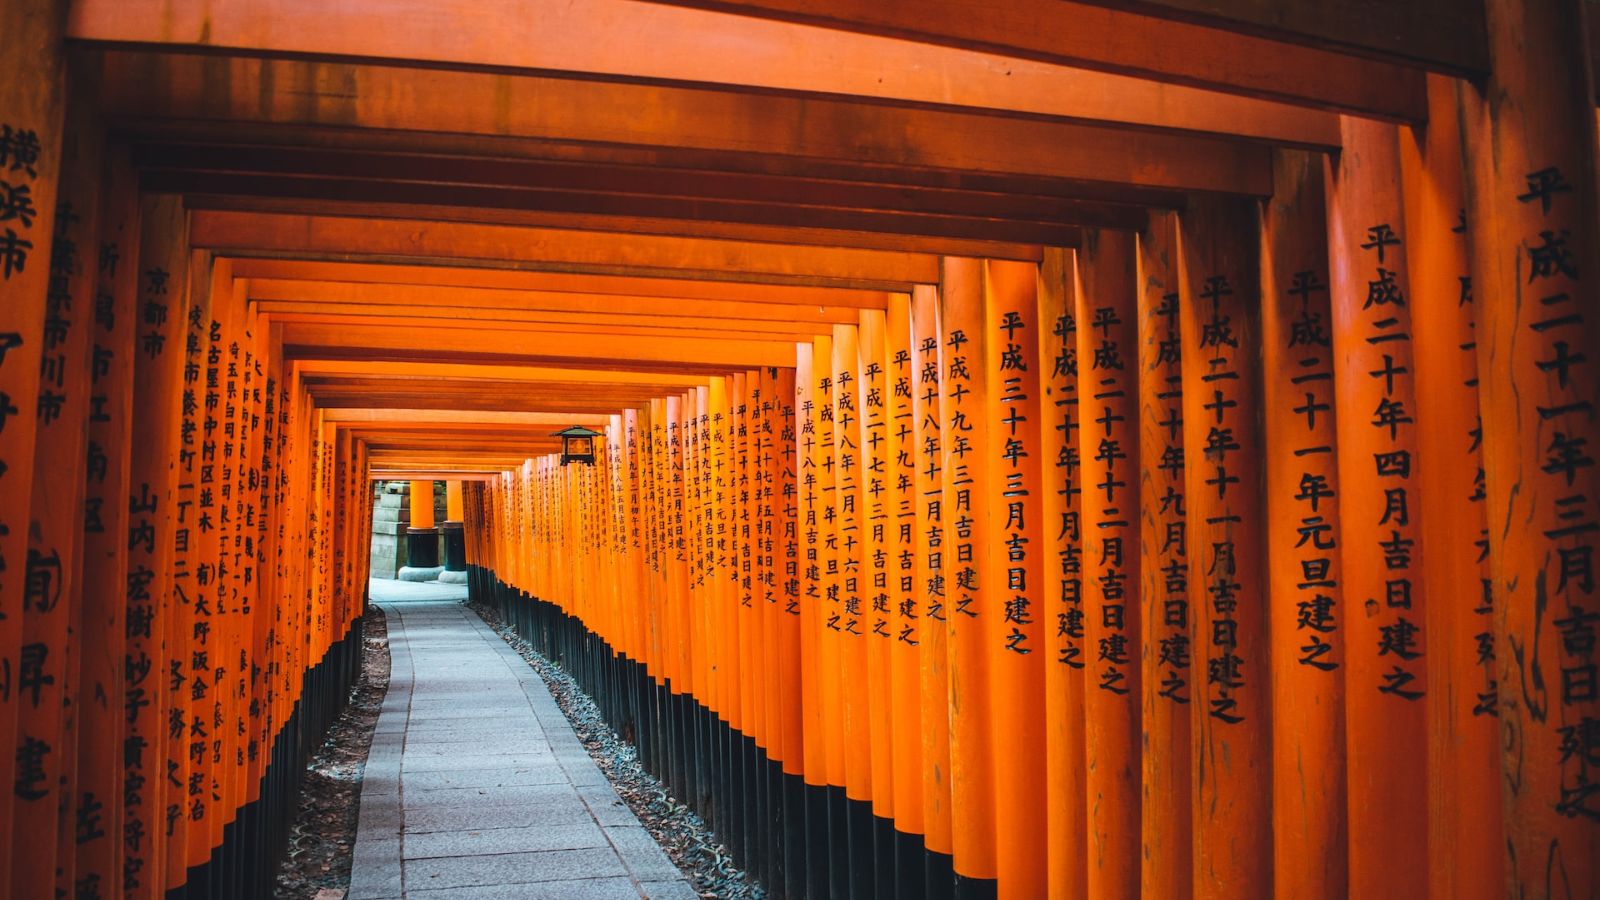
<point>1466,855</point>
<point>932,573</point>
<point>1066,808</point>
<point>1108,452</point>
<point>152,508</point>
<point>1531,143</point>
<point>1380,512</point>
<point>970,586</point>
<point>1015,619</point>
<point>45,679</point>
<point>1308,609</point>
<point>1222,436</point>
<point>102,678</point>
<point>32,97</point>
<point>1168,672</point>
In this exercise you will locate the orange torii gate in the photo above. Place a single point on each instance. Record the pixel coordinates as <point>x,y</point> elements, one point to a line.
<point>1067,449</point>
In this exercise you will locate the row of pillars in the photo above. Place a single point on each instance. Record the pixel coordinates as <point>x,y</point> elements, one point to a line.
<point>1248,555</point>
<point>422,536</point>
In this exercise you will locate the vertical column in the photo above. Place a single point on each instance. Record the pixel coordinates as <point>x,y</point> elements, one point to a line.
<point>150,540</point>
<point>1015,547</point>
<point>970,597</point>
<point>1466,855</point>
<point>876,502</point>
<point>1166,651</point>
<point>1108,446</point>
<point>933,549</point>
<point>105,522</point>
<point>422,538</point>
<point>907,604</point>
<point>52,597</point>
<point>1306,596</point>
<point>1532,204</point>
<point>1066,803</point>
<point>1231,721</point>
<point>1380,519</point>
<point>32,96</point>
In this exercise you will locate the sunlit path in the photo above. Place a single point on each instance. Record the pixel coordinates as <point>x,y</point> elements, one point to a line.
<point>476,785</point>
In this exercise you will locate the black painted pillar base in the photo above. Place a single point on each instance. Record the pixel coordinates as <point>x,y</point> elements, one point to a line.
<point>455,547</point>
<point>422,555</point>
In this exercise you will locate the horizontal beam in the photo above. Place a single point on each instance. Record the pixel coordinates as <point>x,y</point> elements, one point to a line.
<point>436,371</point>
<point>631,41</point>
<point>657,223</point>
<point>478,318</point>
<point>381,342</point>
<point>406,276</point>
<point>1113,40</point>
<point>552,249</point>
<point>271,294</point>
<point>1448,36</point>
<point>680,126</point>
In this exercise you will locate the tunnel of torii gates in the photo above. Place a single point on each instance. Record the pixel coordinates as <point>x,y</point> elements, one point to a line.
<point>1071,449</point>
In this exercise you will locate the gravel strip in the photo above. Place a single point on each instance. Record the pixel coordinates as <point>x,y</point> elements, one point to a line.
<point>680,832</point>
<point>324,830</point>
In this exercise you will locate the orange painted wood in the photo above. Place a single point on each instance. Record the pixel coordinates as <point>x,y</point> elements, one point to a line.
<point>1066,809</point>
<point>1013,620</point>
<point>970,593</point>
<point>1230,715</point>
<point>932,570</point>
<point>1082,34</point>
<point>1386,676</point>
<point>45,679</point>
<point>849,620</point>
<point>813,585</point>
<point>1308,611</point>
<point>1168,674</point>
<point>907,603</point>
<point>102,678</point>
<point>875,503</point>
<point>621,39</point>
<point>807,133</point>
<point>32,102</point>
<point>152,505</point>
<point>1530,153</point>
<point>1465,851</point>
<point>1108,448</point>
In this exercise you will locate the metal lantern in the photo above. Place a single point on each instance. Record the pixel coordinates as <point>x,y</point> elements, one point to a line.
<point>577,444</point>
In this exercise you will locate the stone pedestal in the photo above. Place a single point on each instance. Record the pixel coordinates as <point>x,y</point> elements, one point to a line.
<point>422,555</point>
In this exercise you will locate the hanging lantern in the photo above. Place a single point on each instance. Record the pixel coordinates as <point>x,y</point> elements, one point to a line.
<point>577,444</point>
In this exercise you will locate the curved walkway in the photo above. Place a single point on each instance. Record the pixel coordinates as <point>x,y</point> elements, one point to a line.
<point>476,786</point>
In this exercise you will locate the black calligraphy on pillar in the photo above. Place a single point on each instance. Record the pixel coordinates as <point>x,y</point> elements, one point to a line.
<point>1569,518</point>
<point>1069,534</point>
<point>1174,652</point>
<point>1225,674</point>
<point>1311,382</point>
<point>1400,634</point>
<point>1016,444</point>
<point>962,429</point>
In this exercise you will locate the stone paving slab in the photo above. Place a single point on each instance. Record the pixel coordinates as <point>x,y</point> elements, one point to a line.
<point>476,786</point>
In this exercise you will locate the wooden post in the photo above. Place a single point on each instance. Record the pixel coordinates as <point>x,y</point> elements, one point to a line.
<point>101,676</point>
<point>1307,612</point>
<point>1167,676</point>
<point>1015,548</point>
<point>970,593</point>
<point>1532,205</point>
<point>1466,855</point>
<point>1380,518</point>
<point>1222,436</point>
<point>32,100</point>
<point>1108,451</point>
<point>1066,804</point>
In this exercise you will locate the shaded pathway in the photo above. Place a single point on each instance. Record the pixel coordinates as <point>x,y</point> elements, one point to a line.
<point>476,786</point>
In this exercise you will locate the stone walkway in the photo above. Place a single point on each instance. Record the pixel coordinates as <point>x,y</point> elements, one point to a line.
<point>476,786</point>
